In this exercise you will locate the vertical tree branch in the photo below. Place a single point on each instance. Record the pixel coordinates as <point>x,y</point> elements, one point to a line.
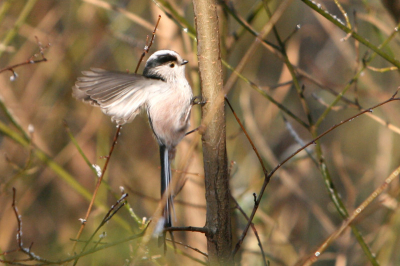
<point>218,222</point>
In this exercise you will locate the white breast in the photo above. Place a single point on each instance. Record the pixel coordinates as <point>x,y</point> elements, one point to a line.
<point>169,112</point>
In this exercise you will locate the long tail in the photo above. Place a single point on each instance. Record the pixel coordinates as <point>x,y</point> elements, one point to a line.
<point>165,183</point>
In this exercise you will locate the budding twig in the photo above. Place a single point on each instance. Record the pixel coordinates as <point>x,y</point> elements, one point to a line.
<point>29,61</point>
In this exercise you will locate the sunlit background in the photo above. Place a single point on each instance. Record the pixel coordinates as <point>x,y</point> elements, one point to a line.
<point>296,214</point>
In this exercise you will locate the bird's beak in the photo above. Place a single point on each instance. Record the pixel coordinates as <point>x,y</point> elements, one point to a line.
<point>184,62</point>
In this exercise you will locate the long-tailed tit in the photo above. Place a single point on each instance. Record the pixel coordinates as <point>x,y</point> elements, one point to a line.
<point>162,91</point>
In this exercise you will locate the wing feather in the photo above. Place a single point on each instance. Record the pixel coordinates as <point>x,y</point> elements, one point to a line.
<point>120,95</point>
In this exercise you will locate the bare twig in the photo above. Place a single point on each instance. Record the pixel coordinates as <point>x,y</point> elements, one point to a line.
<point>190,247</point>
<point>381,52</point>
<point>253,47</point>
<point>315,255</point>
<point>157,200</point>
<point>111,212</point>
<point>253,228</point>
<point>29,61</point>
<point>357,59</point>
<point>187,229</point>
<point>382,70</point>
<point>296,29</point>
<point>323,103</point>
<point>148,44</point>
<point>117,133</point>
<point>27,166</point>
<point>72,258</point>
<point>350,103</point>
<point>248,138</point>
<point>298,139</point>
<point>84,220</point>
<point>289,65</point>
<point>31,256</point>
<point>344,13</point>
<point>268,177</point>
<point>133,17</point>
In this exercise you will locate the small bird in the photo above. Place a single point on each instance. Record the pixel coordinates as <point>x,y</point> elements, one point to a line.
<point>162,91</point>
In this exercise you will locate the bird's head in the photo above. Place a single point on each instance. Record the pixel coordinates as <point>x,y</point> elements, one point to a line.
<point>166,65</point>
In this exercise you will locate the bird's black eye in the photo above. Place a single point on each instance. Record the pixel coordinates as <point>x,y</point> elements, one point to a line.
<point>172,65</point>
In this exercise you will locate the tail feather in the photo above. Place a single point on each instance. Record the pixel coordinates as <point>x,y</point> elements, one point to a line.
<point>165,183</point>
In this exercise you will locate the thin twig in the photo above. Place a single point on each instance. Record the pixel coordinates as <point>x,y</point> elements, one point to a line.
<point>117,133</point>
<point>148,45</point>
<point>340,24</point>
<point>157,200</point>
<point>28,163</point>
<point>244,23</point>
<point>268,177</point>
<point>298,139</point>
<point>253,47</point>
<point>29,61</point>
<point>187,229</point>
<point>266,95</point>
<point>382,70</point>
<point>84,220</point>
<point>357,59</point>
<point>21,248</point>
<point>111,212</point>
<point>91,251</point>
<point>315,255</point>
<point>248,138</point>
<point>351,103</point>
<point>344,13</point>
<point>296,29</point>
<point>190,247</point>
<point>253,228</point>
<point>133,17</point>
<point>290,67</point>
<point>323,103</point>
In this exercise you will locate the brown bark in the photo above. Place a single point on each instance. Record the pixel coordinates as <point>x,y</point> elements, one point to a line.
<point>218,222</point>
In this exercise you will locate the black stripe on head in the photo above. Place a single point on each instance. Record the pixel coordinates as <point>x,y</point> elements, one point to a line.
<point>161,60</point>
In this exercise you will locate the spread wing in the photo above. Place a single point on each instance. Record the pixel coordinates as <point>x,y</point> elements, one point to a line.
<point>120,95</point>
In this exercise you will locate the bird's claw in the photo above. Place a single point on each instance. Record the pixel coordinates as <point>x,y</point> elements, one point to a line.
<point>198,100</point>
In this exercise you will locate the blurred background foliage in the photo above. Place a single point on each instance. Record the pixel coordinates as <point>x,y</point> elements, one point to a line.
<point>296,213</point>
